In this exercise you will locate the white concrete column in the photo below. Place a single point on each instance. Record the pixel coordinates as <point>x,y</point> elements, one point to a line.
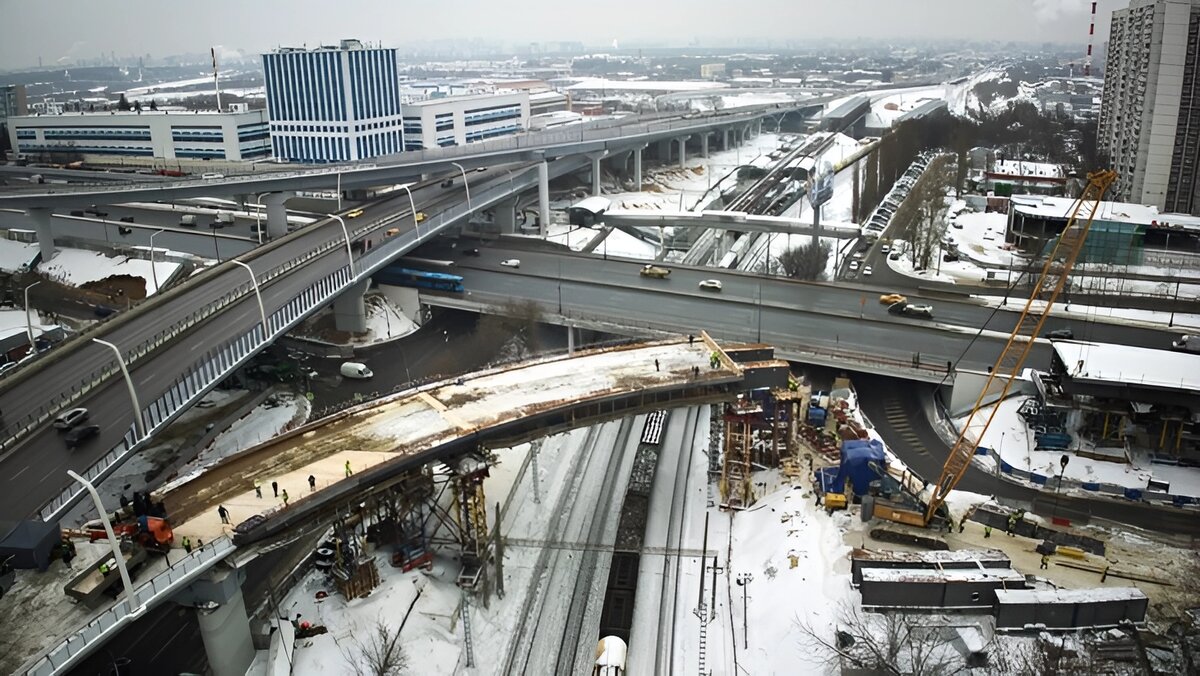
<point>276,204</point>
<point>570,340</point>
<point>725,139</point>
<point>543,198</point>
<point>349,310</point>
<point>683,151</point>
<point>704,145</point>
<point>595,174</point>
<point>637,168</point>
<point>224,624</point>
<point>45,234</point>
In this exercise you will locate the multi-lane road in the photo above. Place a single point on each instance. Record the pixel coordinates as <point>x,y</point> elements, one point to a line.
<point>791,315</point>
<point>35,469</point>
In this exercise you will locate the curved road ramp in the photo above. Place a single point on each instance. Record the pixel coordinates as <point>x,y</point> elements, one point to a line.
<point>363,449</point>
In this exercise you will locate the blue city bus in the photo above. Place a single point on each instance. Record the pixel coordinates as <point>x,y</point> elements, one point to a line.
<point>437,281</point>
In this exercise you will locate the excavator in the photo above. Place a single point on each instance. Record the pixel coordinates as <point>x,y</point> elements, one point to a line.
<point>1050,283</point>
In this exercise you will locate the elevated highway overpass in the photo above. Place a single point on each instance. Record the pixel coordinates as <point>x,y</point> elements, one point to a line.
<point>383,440</point>
<point>604,138</point>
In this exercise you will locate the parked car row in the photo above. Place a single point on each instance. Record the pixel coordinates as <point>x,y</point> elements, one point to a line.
<point>883,213</point>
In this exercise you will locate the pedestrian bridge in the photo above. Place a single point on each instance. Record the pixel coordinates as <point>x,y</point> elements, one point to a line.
<point>363,449</point>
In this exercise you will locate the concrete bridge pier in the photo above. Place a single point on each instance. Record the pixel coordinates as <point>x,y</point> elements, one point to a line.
<point>663,152</point>
<point>506,216</point>
<point>683,151</point>
<point>595,158</point>
<point>725,139</point>
<point>349,310</point>
<point>543,198</point>
<point>276,203</point>
<point>224,624</point>
<point>704,144</point>
<point>45,234</point>
<point>637,167</point>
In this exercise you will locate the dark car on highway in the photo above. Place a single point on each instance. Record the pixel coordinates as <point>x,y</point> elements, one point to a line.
<point>81,434</point>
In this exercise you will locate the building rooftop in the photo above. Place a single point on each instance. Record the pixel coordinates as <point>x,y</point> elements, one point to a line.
<point>1097,595</point>
<point>463,97</point>
<point>133,113</point>
<point>592,84</point>
<point>1120,212</point>
<point>343,45</point>
<point>1123,364</point>
<point>1027,169</point>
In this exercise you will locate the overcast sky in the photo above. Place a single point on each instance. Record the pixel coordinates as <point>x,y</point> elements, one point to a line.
<point>55,29</point>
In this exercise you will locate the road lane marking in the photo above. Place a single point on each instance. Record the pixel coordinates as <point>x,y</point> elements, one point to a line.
<point>14,477</point>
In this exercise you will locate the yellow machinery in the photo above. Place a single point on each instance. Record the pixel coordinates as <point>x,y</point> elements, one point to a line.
<point>1046,290</point>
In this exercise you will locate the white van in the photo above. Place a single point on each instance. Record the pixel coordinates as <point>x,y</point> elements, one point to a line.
<point>353,369</point>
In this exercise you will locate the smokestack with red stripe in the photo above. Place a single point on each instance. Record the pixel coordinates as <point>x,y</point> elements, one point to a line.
<point>1087,61</point>
<point>216,80</point>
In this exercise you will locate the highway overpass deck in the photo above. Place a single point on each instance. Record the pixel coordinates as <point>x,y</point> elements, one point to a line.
<point>380,440</point>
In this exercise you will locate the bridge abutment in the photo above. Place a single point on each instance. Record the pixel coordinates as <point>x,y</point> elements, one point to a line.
<point>349,310</point>
<point>224,624</point>
<point>506,216</point>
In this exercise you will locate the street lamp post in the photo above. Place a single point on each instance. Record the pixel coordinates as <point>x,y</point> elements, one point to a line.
<point>153,270</point>
<point>1062,467</point>
<point>465,185</point>
<point>262,312</point>
<point>113,543</point>
<point>216,245</point>
<point>346,234</point>
<point>28,319</point>
<point>413,207</point>
<point>138,423</point>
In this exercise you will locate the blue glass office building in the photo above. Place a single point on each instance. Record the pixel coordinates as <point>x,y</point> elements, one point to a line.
<point>333,104</point>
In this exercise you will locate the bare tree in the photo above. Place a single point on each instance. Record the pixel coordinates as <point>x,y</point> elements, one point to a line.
<point>376,652</point>
<point>921,216</point>
<point>804,261</point>
<point>887,643</point>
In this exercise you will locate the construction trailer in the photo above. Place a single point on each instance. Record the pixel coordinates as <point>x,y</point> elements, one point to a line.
<point>102,579</point>
<point>935,589</point>
<point>1069,609</point>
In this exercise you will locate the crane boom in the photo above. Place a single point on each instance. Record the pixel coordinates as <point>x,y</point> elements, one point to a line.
<point>1008,366</point>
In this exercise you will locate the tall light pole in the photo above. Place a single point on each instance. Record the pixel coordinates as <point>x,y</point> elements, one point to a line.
<point>113,542</point>
<point>28,319</point>
<point>138,423</point>
<point>465,184</point>
<point>153,270</point>
<point>257,294</point>
<point>743,580</point>
<point>413,207</point>
<point>1062,468</point>
<point>346,234</point>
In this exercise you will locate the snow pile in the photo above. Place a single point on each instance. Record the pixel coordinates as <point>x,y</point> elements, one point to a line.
<point>76,267</point>
<point>15,256</point>
<point>385,321</point>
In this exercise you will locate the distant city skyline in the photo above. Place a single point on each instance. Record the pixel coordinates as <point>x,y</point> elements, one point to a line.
<point>66,30</point>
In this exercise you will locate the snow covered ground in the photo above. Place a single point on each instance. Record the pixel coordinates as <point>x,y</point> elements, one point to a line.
<point>385,321</point>
<point>279,413</point>
<point>1152,318</point>
<point>15,256</point>
<point>617,243</point>
<point>1009,435</point>
<point>76,267</point>
<point>12,321</point>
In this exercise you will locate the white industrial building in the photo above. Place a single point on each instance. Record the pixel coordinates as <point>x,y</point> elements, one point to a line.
<point>333,104</point>
<point>459,120</point>
<point>240,135</point>
<point>1150,113</point>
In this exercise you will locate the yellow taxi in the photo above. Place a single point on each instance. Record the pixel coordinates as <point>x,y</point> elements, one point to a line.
<point>420,216</point>
<point>892,299</point>
<point>354,214</point>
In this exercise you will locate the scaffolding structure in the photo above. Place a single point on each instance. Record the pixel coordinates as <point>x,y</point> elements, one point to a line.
<point>470,512</point>
<point>737,491</point>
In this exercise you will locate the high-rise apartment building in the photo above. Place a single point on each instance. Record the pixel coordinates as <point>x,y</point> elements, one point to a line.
<point>1150,115</point>
<point>333,104</point>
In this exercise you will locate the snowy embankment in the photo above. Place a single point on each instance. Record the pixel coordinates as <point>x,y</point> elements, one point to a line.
<point>77,267</point>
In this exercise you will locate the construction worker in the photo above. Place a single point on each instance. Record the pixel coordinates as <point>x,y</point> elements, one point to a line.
<point>656,365</point>
<point>962,525</point>
<point>275,487</point>
<point>187,545</point>
<point>348,470</point>
<point>987,532</point>
<point>312,483</point>
<point>1012,524</point>
<point>223,513</point>
<point>1045,561</point>
<point>257,488</point>
<point>691,339</point>
<point>285,497</point>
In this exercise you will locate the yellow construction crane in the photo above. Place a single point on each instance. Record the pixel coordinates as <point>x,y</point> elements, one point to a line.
<point>1008,366</point>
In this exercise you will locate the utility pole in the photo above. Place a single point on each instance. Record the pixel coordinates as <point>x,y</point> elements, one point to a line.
<point>533,463</point>
<point>743,580</point>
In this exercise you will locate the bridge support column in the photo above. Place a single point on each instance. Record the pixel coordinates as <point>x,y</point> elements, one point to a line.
<point>704,145</point>
<point>276,213</point>
<point>725,139</point>
<point>45,234</point>
<point>637,168</point>
<point>570,340</point>
<point>506,216</point>
<point>349,310</point>
<point>664,150</point>
<point>595,158</point>
<point>543,198</point>
<point>683,151</point>
<point>224,625</point>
